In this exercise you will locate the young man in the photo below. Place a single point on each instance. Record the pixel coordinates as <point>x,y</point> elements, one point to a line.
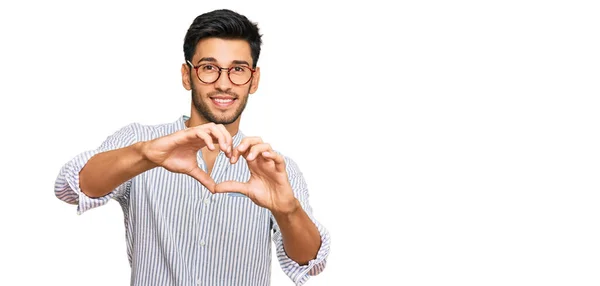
<point>201,201</point>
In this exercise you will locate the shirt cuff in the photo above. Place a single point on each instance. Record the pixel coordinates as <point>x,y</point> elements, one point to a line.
<point>71,176</point>
<point>301,273</point>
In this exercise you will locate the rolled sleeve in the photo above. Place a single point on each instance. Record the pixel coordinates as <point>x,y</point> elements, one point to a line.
<point>66,187</point>
<point>301,273</point>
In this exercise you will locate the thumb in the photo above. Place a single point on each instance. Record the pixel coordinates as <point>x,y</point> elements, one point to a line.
<point>231,187</point>
<point>203,178</point>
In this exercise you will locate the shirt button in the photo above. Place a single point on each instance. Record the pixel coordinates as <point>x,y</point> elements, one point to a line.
<point>206,201</point>
<point>202,242</point>
<point>198,282</point>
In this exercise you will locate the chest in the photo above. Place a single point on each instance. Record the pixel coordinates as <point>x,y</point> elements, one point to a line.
<point>179,205</point>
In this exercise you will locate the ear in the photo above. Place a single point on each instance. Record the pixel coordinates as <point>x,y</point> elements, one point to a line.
<point>255,80</point>
<point>185,77</point>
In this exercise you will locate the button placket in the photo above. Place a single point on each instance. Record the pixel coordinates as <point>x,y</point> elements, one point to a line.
<point>203,221</point>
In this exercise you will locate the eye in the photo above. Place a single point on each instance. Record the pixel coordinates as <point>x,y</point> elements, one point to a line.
<point>208,68</point>
<point>239,69</point>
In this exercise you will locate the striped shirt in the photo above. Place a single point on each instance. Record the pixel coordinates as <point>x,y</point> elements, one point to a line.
<point>179,233</point>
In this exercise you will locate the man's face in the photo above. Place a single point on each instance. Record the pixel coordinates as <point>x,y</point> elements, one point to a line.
<point>221,102</point>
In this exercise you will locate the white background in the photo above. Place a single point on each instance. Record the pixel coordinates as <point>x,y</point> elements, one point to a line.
<point>444,142</point>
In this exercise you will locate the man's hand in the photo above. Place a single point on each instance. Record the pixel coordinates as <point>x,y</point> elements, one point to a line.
<point>177,152</point>
<point>268,186</point>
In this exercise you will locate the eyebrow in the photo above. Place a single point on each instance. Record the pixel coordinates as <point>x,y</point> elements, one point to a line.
<point>213,60</point>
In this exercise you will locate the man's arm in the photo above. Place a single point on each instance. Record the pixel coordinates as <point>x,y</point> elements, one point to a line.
<point>106,171</point>
<point>175,152</point>
<point>298,237</point>
<point>67,184</point>
<point>286,242</point>
<point>301,238</point>
<point>92,176</point>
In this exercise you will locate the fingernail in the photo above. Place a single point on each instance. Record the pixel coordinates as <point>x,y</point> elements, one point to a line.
<point>229,149</point>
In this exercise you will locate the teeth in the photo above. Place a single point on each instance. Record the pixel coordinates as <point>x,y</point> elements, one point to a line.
<point>222,100</point>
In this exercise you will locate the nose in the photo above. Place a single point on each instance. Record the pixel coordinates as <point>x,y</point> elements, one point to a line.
<point>223,83</point>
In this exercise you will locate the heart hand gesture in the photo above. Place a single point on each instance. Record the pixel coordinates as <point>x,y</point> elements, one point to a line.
<point>268,185</point>
<point>177,152</point>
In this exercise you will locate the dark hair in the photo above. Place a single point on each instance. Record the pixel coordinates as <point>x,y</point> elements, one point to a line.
<point>224,24</point>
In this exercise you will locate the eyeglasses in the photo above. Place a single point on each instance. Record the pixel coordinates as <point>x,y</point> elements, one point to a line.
<point>210,73</point>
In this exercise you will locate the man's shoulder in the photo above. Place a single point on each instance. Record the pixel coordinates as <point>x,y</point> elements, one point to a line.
<point>145,131</point>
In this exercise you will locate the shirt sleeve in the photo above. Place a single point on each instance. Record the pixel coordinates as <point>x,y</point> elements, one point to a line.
<point>66,187</point>
<point>301,273</point>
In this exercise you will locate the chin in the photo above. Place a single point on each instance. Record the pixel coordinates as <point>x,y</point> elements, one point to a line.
<point>224,119</point>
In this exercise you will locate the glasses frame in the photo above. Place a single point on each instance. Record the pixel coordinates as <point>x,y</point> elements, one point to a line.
<point>220,70</point>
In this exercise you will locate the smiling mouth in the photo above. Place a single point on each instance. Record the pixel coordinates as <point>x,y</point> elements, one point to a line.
<point>222,102</point>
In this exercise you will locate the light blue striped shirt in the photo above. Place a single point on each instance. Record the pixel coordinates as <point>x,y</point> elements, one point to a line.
<point>178,233</point>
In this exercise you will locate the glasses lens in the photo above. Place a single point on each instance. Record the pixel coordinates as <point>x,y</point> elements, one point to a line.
<point>240,74</point>
<point>208,73</point>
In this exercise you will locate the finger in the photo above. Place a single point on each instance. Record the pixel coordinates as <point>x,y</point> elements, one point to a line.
<point>242,149</point>
<point>203,178</point>
<point>256,150</point>
<point>277,158</point>
<point>248,142</point>
<point>228,139</point>
<point>232,187</point>
<point>207,139</point>
<point>186,137</point>
<point>218,134</point>
<point>204,127</point>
